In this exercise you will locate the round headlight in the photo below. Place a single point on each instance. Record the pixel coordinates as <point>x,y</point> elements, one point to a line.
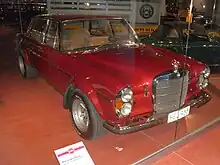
<point>126,95</point>
<point>124,102</point>
<point>206,72</point>
<point>203,81</point>
<point>126,109</point>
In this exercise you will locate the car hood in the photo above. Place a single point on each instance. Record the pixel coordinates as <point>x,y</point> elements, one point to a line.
<point>131,66</point>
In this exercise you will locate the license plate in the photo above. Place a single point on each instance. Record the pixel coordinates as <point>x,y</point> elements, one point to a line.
<point>176,115</point>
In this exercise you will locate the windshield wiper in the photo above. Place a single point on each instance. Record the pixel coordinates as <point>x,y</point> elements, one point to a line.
<point>105,46</point>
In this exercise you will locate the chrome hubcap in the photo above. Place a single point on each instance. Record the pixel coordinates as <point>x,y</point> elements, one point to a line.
<point>80,115</point>
<point>21,65</point>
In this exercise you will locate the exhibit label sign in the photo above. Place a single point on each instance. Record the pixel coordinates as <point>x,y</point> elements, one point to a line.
<point>75,154</point>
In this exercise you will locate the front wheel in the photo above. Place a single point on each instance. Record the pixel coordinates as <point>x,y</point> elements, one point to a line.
<point>86,120</point>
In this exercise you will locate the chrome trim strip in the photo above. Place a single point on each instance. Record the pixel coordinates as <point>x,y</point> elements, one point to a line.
<point>129,129</point>
<point>103,96</point>
<point>94,18</point>
<point>200,99</point>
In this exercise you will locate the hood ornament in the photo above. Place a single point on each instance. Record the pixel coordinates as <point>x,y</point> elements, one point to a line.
<point>176,67</point>
<point>176,64</point>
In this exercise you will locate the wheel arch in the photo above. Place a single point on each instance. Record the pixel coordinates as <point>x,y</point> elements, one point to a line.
<point>24,53</point>
<point>67,96</point>
<point>22,48</point>
<point>87,89</point>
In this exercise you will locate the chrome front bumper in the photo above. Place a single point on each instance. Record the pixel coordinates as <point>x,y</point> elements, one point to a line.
<point>195,101</point>
<point>200,99</point>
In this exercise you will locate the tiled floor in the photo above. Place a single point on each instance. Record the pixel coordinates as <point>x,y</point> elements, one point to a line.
<point>33,123</point>
<point>203,150</point>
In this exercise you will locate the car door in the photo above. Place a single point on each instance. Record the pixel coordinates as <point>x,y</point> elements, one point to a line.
<point>37,56</point>
<point>59,62</point>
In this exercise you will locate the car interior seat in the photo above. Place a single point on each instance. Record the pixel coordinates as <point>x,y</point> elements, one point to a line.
<point>76,39</point>
<point>98,40</point>
<point>100,36</point>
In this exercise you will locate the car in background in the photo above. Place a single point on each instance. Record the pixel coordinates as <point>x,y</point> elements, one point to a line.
<point>213,31</point>
<point>172,35</point>
<point>108,79</point>
<point>200,18</point>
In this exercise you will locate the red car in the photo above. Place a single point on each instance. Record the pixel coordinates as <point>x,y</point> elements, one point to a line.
<point>108,79</point>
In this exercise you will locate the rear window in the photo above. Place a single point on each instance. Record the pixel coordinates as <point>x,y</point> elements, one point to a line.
<point>38,29</point>
<point>39,25</point>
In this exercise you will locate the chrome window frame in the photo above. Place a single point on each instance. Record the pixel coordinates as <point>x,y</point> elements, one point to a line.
<point>92,48</point>
<point>41,34</point>
<point>61,36</point>
<point>58,33</point>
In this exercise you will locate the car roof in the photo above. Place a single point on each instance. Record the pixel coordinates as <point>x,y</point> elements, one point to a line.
<point>66,17</point>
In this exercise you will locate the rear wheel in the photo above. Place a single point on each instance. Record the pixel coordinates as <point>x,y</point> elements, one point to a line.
<point>86,120</point>
<point>21,65</point>
<point>26,70</point>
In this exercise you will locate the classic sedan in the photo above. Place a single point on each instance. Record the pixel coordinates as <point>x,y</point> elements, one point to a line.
<point>213,31</point>
<point>108,79</point>
<point>173,36</point>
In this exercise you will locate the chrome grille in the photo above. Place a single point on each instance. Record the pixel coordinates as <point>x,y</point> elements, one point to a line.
<point>170,90</point>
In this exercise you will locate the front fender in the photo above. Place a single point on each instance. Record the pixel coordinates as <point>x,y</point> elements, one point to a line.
<point>101,99</point>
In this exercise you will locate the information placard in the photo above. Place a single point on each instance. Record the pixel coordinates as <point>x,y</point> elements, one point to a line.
<point>75,154</point>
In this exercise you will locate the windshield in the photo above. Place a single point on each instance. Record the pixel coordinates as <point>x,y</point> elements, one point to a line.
<point>97,32</point>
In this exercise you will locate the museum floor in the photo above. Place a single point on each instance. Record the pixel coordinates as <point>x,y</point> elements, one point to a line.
<point>203,149</point>
<point>33,124</point>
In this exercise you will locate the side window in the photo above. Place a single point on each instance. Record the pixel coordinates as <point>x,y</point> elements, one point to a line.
<point>38,29</point>
<point>120,29</point>
<point>29,28</point>
<point>70,27</point>
<point>31,31</point>
<point>74,35</point>
<point>52,37</point>
<point>100,28</point>
<point>40,25</point>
